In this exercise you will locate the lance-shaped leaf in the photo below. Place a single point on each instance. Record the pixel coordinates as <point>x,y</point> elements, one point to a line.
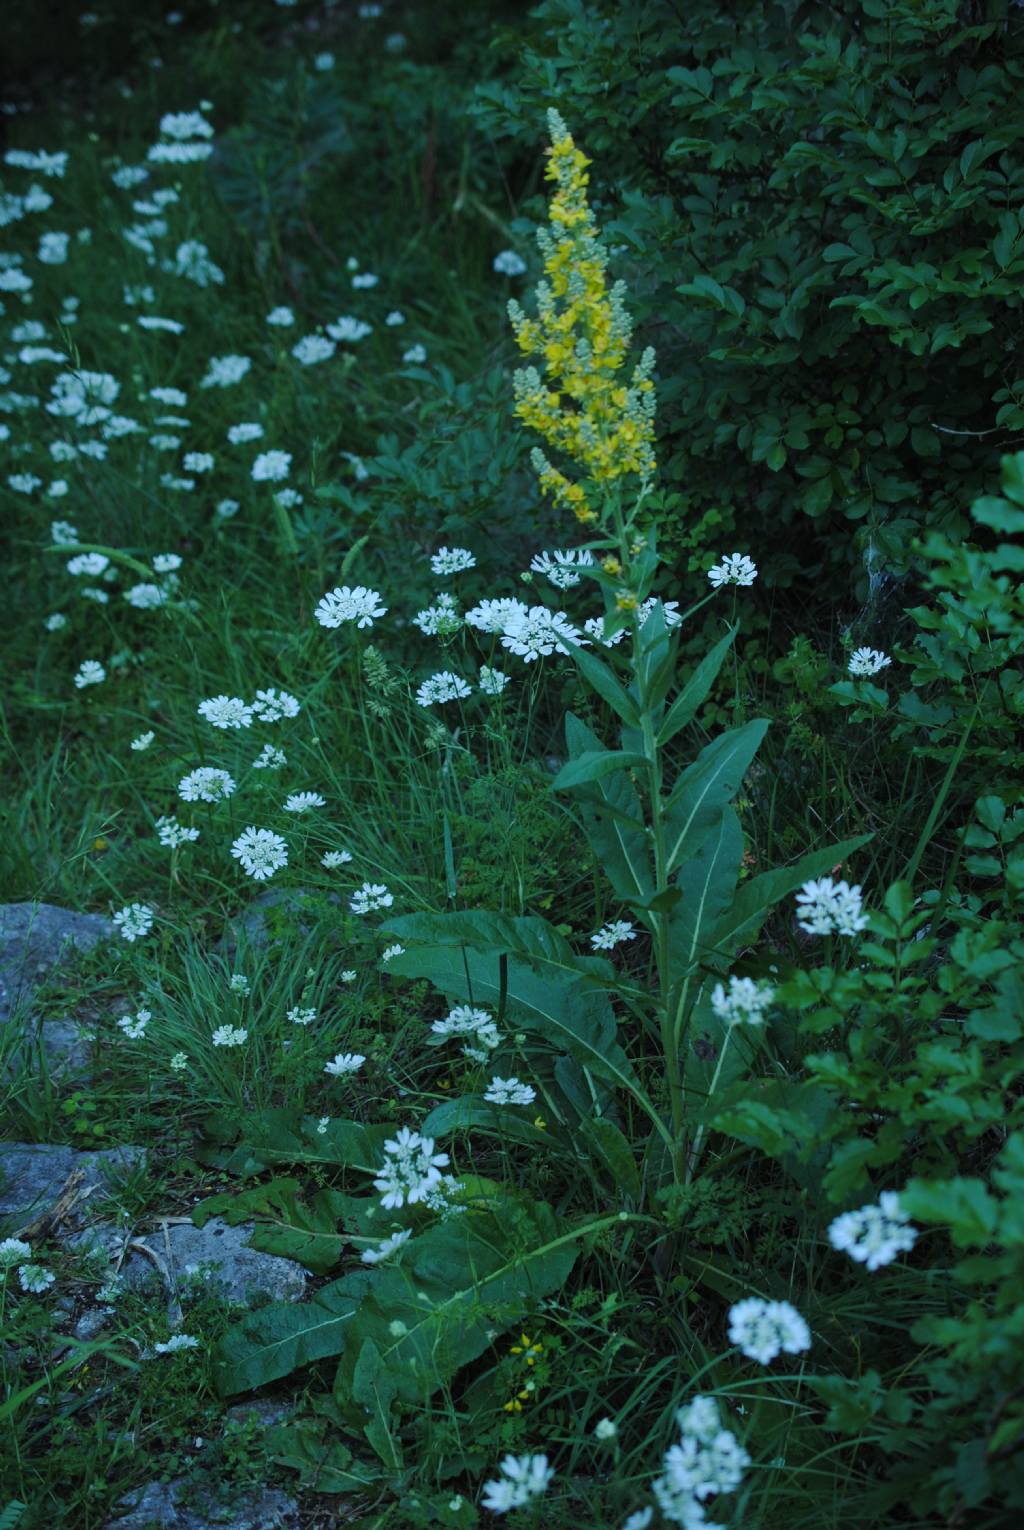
<point>527,936</point>
<point>695,691</point>
<point>271,1138</point>
<point>324,1464</point>
<point>613,819</point>
<point>705,787</point>
<point>472,1113</point>
<point>707,882</point>
<point>570,1016</point>
<point>605,683</point>
<point>759,894</point>
<point>593,764</point>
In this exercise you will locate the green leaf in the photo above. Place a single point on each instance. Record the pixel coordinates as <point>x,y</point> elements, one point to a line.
<point>373,1386</point>
<point>756,896</point>
<point>703,789</point>
<point>593,764</point>
<point>276,1340</point>
<point>526,936</point>
<point>473,1113</point>
<point>605,683</point>
<point>325,1466</point>
<point>707,881</point>
<point>285,1224</point>
<point>965,1206</point>
<point>270,1138</point>
<point>611,1150</point>
<point>613,819</point>
<point>695,692</point>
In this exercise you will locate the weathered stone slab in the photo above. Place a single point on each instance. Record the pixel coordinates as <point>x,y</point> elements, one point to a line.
<point>32,1174</point>
<point>239,1272</point>
<point>158,1506</point>
<point>33,938</point>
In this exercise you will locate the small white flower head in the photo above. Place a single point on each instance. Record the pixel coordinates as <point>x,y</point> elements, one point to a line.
<point>386,1247</point>
<point>322,62</point>
<point>612,934</point>
<point>313,348</point>
<point>370,897</point>
<point>134,921</point>
<point>238,435</point>
<point>226,508</point>
<point>272,705</point>
<point>349,330</point>
<point>239,983</point>
<point>344,1063</point>
<point>536,631</point>
<point>280,318</point>
<point>508,263</point>
<point>761,1330</point>
<point>172,833</point>
<point>206,784</point>
<point>476,1024</point>
<point>92,592</point>
<point>874,1235</point>
<point>415,356</point>
<point>605,1429</point>
<point>176,1342</point>
<point>179,1062</point>
<point>166,563</point>
<point>302,802</point>
<point>226,712</point>
<point>269,758</point>
<point>342,604</point>
<point>134,1026</point>
<point>365,279</point>
<point>301,1016</point>
<point>349,975</point>
<point>410,1169</point>
<point>13,1251</point>
<point>322,1125</point>
<point>146,597</point>
<point>523,1478</point>
<point>562,568</point>
<point>707,1460</point>
<point>91,563</point>
<point>229,1036</point>
<point>641,1519</point>
<point>225,371</point>
<point>825,907</point>
<point>745,1001</point>
<point>63,534</point>
<point>55,622</point>
<point>867,661</point>
<point>737,568</point>
<point>143,741</point>
<point>332,859</point>
<point>261,852</point>
<point>452,560</point>
<point>492,681</point>
<point>271,467</point>
<point>33,1278</point>
<point>394,318</point>
<point>89,672</point>
<point>442,619</point>
<point>442,687</point>
<point>509,1091</point>
<point>198,462</point>
<point>390,952</point>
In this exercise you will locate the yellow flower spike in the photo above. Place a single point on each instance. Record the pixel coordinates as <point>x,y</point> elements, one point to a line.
<point>603,424</point>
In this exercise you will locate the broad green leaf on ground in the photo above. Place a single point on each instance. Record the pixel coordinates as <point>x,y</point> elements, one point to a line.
<point>707,786</point>
<point>613,820</point>
<point>459,1283</point>
<point>611,1154</point>
<point>276,1340</point>
<point>373,1387</point>
<point>268,1138</point>
<point>474,1113</point>
<point>285,1224</point>
<point>325,1465</point>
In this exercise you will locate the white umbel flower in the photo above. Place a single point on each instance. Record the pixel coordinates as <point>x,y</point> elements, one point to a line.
<point>206,784</point>
<point>523,1478</point>
<point>302,802</point>
<point>386,1247</point>
<point>226,712</point>
<point>874,1235</point>
<point>261,852</point>
<point>562,569</point>
<point>743,1001</point>
<point>410,1169</point>
<point>452,560</point>
<point>229,1036</point>
<point>370,897</point>
<point>272,705</point>
<point>867,661</point>
<point>737,568</point>
<point>509,1091</point>
<point>613,934</point>
<point>825,907</point>
<point>89,672</point>
<point>342,604</point>
<point>134,921</point>
<point>442,687</point>
<point>344,1063</point>
<point>761,1330</point>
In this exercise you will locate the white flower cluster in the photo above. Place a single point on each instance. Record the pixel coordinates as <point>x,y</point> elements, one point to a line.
<point>370,897</point>
<point>867,661</point>
<point>707,1460</point>
<point>342,604</point>
<point>761,1330</point>
<point>611,935</point>
<point>452,560</point>
<point>134,921</point>
<point>523,1478</point>
<point>261,852</point>
<point>874,1235</point>
<point>745,1001</point>
<point>562,569</point>
<point>826,907</point>
<point>442,687</point>
<point>410,1169</point>
<point>737,568</point>
<point>509,1091</point>
<point>32,1278</point>
<point>475,1024</point>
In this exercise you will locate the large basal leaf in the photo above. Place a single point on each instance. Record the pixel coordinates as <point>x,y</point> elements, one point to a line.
<point>458,1284</point>
<point>474,1113</point>
<point>278,1339</point>
<point>613,819</point>
<point>270,1138</point>
<point>568,1015</point>
<point>707,883</point>
<point>759,894</point>
<point>530,937</point>
<point>325,1465</point>
<point>706,787</point>
<point>285,1223</point>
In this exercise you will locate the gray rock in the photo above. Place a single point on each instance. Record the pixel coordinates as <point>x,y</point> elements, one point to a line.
<point>92,1321</point>
<point>33,938</point>
<point>32,1174</point>
<point>158,1506</point>
<point>239,1272</point>
<point>267,1411</point>
<point>302,904</point>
